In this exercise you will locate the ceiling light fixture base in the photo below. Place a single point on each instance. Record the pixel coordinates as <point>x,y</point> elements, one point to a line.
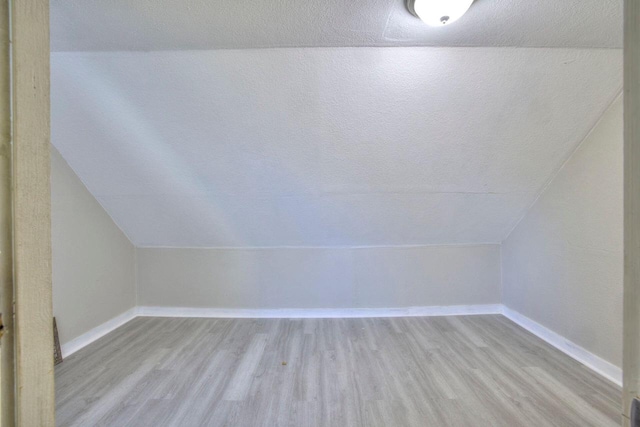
<point>437,13</point>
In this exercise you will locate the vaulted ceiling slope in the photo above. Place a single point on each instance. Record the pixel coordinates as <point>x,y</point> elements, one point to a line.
<point>117,25</point>
<point>324,146</point>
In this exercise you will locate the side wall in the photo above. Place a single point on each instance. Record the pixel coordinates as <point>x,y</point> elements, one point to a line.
<point>562,265</point>
<point>93,261</point>
<point>319,277</point>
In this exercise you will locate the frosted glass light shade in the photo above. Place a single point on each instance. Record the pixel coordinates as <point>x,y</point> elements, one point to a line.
<point>437,13</point>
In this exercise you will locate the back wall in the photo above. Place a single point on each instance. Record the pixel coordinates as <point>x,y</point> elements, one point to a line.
<point>272,278</point>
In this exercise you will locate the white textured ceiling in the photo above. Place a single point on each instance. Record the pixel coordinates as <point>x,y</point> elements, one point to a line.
<point>324,146</point>
<point>117,25</point>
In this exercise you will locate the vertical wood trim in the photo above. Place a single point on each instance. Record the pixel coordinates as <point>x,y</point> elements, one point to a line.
<point>631,354</point>
<point>32,214</point>
<point>7,384</point>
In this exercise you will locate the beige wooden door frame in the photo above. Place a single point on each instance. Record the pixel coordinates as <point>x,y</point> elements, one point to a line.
<point>7,384</point>
<point>26,358</point>
<point>631,335</point>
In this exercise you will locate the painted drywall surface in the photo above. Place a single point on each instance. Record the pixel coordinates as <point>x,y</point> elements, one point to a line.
<point>93,261</point>
<point>562,265</point>
<point>228,24</point>
<point>319,277</point>
<point>325,146</point>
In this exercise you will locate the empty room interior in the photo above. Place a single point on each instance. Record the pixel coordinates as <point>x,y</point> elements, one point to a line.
<point>371,213</point>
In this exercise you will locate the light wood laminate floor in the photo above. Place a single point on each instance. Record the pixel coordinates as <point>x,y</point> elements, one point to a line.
<point>430,371</point>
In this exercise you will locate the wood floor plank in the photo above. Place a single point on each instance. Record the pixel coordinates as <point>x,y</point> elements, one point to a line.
<point>440,371</point>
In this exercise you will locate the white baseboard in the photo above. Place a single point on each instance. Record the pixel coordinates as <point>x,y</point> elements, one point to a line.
<point>99,331</point>
<point>320,313</point>
<point>590,360</point>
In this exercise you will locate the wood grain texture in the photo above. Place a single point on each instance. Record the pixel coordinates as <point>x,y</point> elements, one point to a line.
<point>35,402</point>
<point>631,337</point>
<point>417,371</point>
<point>7,384</point>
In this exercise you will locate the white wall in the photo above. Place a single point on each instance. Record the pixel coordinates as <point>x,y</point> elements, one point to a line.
<point>319,277</point>
<point>562,265</point>
<point>93,261</point>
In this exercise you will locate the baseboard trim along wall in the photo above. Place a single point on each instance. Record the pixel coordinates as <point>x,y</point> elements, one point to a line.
<point>320,313</point>
<point>590,360</point>
<point>98,332</point>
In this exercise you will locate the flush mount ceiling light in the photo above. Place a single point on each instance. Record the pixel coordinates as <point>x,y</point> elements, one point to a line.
<point>438,12</point>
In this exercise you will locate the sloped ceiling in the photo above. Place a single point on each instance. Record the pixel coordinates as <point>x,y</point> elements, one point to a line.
<point>339,146</point>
